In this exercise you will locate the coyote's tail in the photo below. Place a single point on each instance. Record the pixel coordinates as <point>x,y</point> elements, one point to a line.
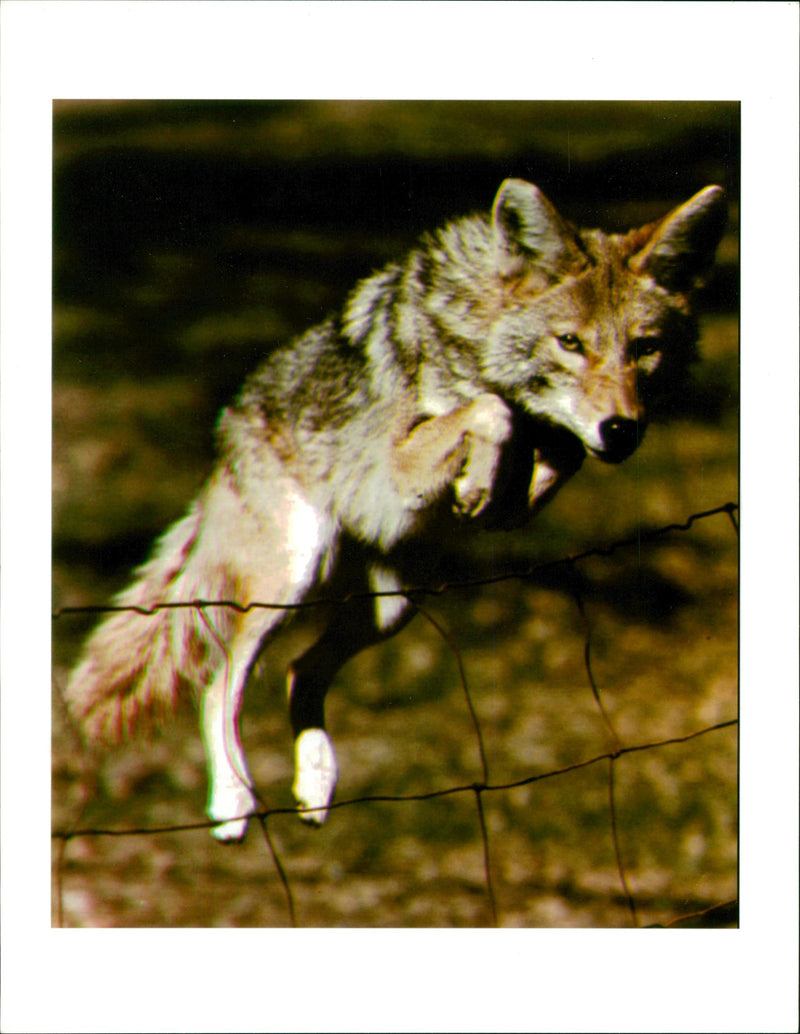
<point>138,665</point>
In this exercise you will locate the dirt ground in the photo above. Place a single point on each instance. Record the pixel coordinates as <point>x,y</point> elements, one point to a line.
<point>189,239</point>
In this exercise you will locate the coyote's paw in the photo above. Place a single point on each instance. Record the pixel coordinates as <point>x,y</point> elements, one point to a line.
<point>228,803</point>
<point>316,774</point>
<point>543,481</point>
<point>488,430</point>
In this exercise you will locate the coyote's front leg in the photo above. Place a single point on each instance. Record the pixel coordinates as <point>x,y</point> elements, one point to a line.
<point>462,448</point>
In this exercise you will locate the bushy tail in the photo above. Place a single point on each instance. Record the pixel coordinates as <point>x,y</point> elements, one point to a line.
<point>139,665</point>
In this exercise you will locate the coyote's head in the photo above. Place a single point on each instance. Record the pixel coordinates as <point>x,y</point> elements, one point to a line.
<point>592,323</point>
<point>577,327</point>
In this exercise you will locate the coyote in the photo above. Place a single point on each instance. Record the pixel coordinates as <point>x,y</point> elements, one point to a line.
<point>456,391</point>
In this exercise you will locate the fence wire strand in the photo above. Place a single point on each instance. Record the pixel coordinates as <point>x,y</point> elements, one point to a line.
<point>413,592</point>
<point>477,788</point>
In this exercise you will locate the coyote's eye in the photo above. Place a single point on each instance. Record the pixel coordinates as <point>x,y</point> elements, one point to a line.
<point>570,342</point>
<point>645,346</point>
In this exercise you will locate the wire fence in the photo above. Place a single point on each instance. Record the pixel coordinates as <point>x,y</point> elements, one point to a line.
<point>723,912</point>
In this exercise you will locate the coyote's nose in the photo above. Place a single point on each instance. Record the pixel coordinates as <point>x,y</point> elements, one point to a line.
<point>620,438</point>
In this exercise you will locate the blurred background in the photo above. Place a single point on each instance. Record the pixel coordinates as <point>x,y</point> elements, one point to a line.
<point>191,237</point>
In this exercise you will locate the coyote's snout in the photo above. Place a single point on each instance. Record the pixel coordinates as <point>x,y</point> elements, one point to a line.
<point>507,335</point>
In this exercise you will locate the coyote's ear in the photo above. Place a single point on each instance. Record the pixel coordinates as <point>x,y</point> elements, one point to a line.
<point>524,220</point>
<point>681,249</point>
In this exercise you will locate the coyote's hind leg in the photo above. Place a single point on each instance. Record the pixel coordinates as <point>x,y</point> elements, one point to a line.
<point>272,550</point>
<point>355,626</point>
<point>231,796</point>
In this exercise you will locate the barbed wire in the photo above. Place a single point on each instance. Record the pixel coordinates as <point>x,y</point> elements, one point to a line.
<point>478,788</point>
<point>412,592</point>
